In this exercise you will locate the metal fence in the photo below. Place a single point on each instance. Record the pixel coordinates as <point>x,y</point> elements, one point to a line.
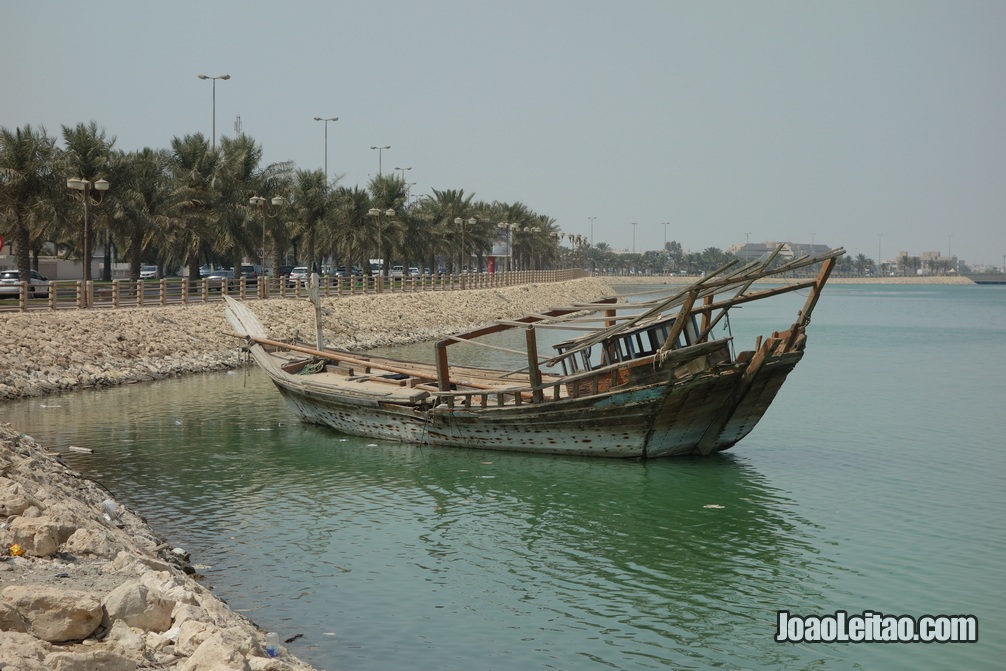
<point>78,294</point>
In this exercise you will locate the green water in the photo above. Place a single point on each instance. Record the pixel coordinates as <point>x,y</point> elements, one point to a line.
<point>875,482</point>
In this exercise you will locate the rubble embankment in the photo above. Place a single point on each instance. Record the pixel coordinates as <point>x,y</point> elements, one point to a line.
<point>85,583</point>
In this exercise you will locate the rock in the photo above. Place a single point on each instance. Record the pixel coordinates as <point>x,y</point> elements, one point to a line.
<point>55,615</point>
<point>23,652</point>
<point>137,606</point>
<point>92,660</point>
<point>127,640</point>
<point>93,542</point>
<point>14,499</point>
<point>215,653</point>
<point>39,536</point>
<point>10,619</point>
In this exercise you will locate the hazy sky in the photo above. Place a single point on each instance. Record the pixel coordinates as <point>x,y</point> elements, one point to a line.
<point>865,124</point>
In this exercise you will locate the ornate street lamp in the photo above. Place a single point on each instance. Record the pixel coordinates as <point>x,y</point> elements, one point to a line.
<point>260,202</point>
<point>78,184</point>
<point>379,213</point>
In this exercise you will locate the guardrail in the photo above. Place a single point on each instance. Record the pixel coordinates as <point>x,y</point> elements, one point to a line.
<point>70,294</point>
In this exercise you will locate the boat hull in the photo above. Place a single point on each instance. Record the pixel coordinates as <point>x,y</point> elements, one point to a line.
<point>662,416</point>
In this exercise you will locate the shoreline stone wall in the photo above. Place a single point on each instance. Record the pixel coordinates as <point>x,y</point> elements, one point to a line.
<point>84,583</point>
<point>49,352</point>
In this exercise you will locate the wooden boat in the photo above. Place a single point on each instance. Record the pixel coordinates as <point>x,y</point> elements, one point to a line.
<point>639,379</point>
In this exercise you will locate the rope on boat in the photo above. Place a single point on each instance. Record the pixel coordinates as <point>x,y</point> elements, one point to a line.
<point>312,367</point>
<point>730,333</point>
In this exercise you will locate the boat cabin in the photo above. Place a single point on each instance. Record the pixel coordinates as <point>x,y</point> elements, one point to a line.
<point>639,343</point>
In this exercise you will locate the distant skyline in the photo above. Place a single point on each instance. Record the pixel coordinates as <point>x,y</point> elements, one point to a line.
<point>872,126</point>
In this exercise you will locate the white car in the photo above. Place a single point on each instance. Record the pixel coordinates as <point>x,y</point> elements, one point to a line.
<point>148,272</point>
<point>10,284</point>
<point>299,275</point>
<point>397,271</point>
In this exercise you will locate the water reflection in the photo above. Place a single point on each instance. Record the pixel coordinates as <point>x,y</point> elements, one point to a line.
<point>392,556</point>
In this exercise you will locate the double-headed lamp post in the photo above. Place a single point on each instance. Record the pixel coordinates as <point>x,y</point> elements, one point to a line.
<point>380,151</point>
<point>379,213</point>
<point>260,202</point>
<point>224,77</point>
<point>334,118</point>
<point>78,184</point>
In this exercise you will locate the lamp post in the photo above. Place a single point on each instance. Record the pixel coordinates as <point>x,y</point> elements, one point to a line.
<point>378,213</point>
<point>592,230</point>
<point>224,77</point>
<point>665,225</point>
<point>260,202</point>
<point>334,118</point>
<point>880,265</point>
<point>634,224</point>
<point>78,184</point>
<point>403,173</point>
<point>464,259</point>
<point>505,228</point>
<point>379,152</point>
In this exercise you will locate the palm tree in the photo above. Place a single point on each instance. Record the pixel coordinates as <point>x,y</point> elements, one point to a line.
<point>233,232</point>
<point>389,192</point>
<point>446,208</point>
<point>143,204</point>
<point>86,157</point>
<point>194,168</point>
<point>351,235</point>
<point>28,185</point>
<point>861,264</point>
<point>310,204</point>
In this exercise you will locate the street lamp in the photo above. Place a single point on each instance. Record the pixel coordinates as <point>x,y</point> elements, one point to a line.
<point>225,77</point>
<point>403,173</point>
<point>665,225</point>
<point>260,202</point>
<point>507,228</point>
<point>880,265</point>
<point>334,118</point>
<point>592,230</point>
<point>78,184</point>
<point>634,224</point>
<point>377,212</point>
<point>461,222</point>
<point>380,150</point>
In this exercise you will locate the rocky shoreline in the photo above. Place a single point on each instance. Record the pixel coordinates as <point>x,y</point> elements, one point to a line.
<point>85,583</point>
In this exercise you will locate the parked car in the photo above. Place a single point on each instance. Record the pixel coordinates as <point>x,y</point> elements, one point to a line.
<point>342,272</point>
<point>299,275</point>
<point>250,272</point>
<point>397,271</point>
<point>148,272</point>
<point>284,271</point>
<point>10,284</point>
<point>413,271</point>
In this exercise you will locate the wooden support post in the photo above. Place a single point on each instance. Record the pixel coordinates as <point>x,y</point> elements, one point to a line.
<point>532,363</point>
<point>679,322</point>
<point>443,372</point>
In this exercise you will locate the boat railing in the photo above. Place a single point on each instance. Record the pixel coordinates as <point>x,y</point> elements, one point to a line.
<point>584,384</point>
